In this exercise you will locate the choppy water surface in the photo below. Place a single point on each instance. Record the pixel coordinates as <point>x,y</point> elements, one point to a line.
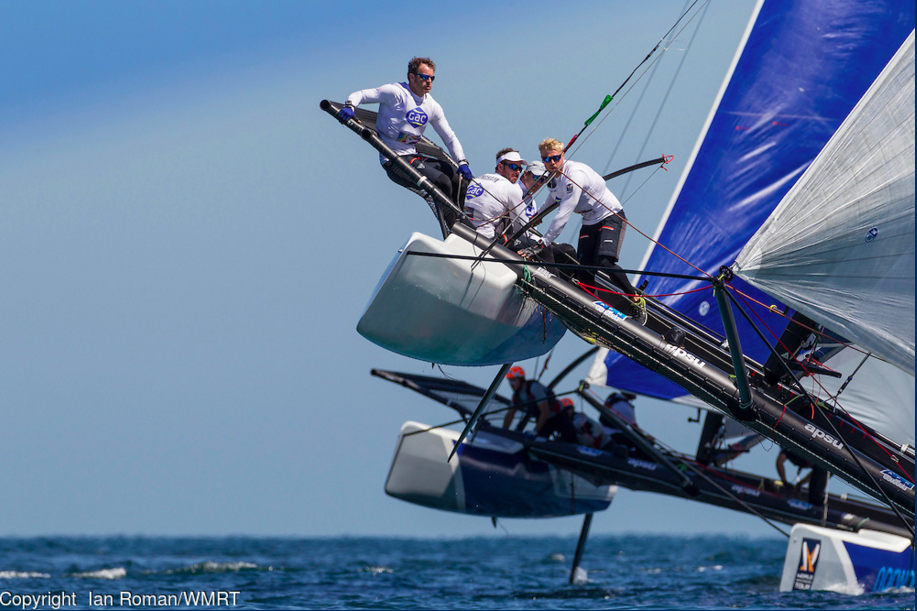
<point>650,572</point>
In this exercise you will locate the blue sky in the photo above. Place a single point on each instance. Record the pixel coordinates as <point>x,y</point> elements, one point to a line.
<point>188,244</point>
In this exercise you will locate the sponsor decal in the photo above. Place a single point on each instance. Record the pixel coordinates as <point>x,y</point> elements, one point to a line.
<point>704,308</point>
<point>743,490</point>
<point>872,234</point>
<point>642,464</point>
<point>417,117</point>
<point>408,138</point>
<point>569,187</point>
<point>474,190</point>
<point>808,562</point>
<point>797,504</point>
<point>896,480</point>
<point>891,577</point>
<point>604,307</point>
<point>683,355</point>
<point>817,433</point>
<point>588,451</point>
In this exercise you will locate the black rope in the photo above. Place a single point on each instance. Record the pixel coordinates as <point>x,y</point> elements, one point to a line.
<point>597,268</point>
<point>814,405</point>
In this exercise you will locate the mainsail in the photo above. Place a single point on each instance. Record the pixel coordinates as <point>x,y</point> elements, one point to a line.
<point>840,247</point>
<point>799,70</point>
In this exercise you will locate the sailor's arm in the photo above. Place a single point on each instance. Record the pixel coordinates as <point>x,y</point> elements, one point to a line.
<point>442,127</point>
<point>508,418</point>
<point>564,212</point>
<point>379,95</point>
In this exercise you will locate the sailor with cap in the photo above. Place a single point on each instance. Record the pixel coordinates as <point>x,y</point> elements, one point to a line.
<point>494,201</point>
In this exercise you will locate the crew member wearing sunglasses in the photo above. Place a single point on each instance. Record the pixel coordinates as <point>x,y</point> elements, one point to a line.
<point>494,201</point>
<point>578,188</point>
<point>405,109</point>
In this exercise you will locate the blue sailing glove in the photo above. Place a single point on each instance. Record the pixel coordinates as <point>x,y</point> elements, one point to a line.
<point>465,171</point>
<point>346,114</point>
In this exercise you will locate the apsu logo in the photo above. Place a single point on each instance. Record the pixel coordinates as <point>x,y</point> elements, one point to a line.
<point>820,434</point>
<point>417,117</point>
<point>808,562</point>
<point>872,234</point>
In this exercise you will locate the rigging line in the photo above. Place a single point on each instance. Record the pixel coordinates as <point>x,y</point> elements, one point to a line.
<point>599,289</point>
<point>805,394</point>
<point>437,255</point>
<point>850,452</point>
<point>607,100</point>
<point>637,105</point>
<point>629,224</point>
<point>643,184</point>
<point>773,309</point>
<point>813,404</point>
<point>630,119</point>
<point>669,91</point>
<point>686,462</point>
<point>849,379</point>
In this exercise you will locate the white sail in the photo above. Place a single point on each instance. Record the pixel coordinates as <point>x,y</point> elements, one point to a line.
<point>840,247</point>
<point>880,395</point>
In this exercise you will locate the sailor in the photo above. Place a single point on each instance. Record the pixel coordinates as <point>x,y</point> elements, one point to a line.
<point>405,109</point>
<point>589,433</point>
<point>551,415</point>
<point>578,188</point>
<point>494,201</point>
<point>817,478</point>
<point>621,403</point>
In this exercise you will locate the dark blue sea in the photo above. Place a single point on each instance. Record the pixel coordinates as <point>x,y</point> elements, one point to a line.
<point>646,572</point>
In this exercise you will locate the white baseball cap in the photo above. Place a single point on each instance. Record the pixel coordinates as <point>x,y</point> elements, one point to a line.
<point>537,169</point>
<point>512,156</point>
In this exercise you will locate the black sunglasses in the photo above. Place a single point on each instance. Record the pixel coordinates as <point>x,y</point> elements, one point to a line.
<point>555,158</point>
<point>424,77</point>
<point>512,166</point>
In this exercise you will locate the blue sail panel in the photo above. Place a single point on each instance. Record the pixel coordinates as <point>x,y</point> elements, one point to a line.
<point>802,67</point>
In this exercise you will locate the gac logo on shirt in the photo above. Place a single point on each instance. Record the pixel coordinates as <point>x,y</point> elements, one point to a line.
<point>417,117</point>
<point>474,190</point>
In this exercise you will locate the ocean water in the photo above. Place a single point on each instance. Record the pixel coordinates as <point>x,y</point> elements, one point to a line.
<point>646,572</point>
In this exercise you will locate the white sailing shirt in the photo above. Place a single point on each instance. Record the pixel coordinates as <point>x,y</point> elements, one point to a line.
<point>577,190</point>
<point>403,117</point>
<point>492,196</point>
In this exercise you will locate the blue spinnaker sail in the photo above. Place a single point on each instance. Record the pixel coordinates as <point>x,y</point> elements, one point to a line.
<point>801,68</point>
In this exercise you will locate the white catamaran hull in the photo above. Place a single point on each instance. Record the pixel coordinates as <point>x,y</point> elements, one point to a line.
<point>455,311</point>
<point>851,563</point>
<point>489,476</point>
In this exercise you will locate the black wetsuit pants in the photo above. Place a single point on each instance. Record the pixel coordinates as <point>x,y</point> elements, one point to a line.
<point>600,245</point>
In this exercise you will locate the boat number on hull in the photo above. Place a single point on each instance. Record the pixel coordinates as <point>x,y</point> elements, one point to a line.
<point>683,355</point>
<point>817,433</point>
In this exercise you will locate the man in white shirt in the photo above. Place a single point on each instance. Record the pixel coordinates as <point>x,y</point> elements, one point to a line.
<point>493,202</point>
<point>405,109</point>
<point>578,188</point>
